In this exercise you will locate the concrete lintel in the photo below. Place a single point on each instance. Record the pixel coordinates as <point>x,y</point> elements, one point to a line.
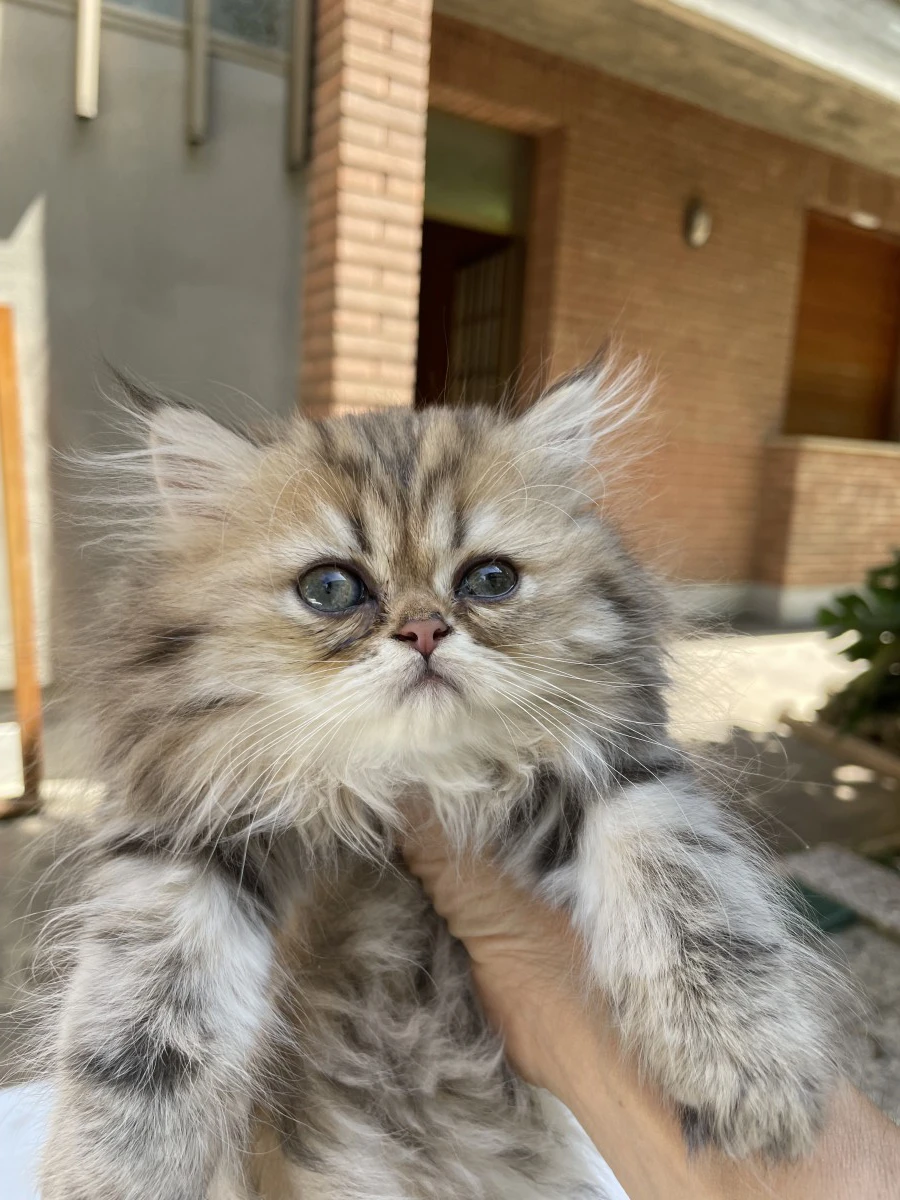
<point>743,70</point>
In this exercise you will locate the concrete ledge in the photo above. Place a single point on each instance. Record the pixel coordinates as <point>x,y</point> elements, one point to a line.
<point>860,447</point>
<point>709,602</point>
<point>672,47</point>
<point>868,889</point>
<point>790,607</point>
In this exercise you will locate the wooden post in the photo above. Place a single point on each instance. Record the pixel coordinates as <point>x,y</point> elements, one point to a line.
<point>24,625</point>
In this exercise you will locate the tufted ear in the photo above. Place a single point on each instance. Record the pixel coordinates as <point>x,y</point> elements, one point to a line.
<point>197,463</point>
<point>583,408</point>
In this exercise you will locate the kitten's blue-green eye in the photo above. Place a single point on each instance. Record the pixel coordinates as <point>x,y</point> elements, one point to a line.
<point>332,589</point>
<point>488,581</point>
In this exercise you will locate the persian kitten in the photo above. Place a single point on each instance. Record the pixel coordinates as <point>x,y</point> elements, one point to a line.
<point>313,627</point>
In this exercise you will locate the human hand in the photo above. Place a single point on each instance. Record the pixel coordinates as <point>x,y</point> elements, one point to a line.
<point>526,959</point>
<point>526,962</point>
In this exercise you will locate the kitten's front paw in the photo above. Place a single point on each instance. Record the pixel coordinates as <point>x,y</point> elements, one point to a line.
<point>757,1111</point>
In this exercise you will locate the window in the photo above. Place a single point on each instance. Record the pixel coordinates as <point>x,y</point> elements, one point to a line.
<point>262,22</point>
<point>844,379</point>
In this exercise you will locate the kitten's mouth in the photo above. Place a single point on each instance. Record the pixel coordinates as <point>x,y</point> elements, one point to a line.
<point>430,680</point>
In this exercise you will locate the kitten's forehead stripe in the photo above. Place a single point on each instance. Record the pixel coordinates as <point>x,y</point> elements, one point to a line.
<point>404,483</point>
<point>360,533</point>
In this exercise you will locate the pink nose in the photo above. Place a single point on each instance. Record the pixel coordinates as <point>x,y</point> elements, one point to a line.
<point>424,635</point>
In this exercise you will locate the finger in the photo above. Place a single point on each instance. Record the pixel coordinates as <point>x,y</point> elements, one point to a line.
<point>428,852</point>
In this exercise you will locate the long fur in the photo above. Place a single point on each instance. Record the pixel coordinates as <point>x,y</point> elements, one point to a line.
<point>259,999</point>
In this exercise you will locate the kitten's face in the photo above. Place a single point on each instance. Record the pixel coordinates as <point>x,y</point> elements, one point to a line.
<point>395,588</point>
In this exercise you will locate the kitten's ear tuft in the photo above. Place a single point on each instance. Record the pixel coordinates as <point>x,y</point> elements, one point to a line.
<point>577,412</point>
<point>197,462</point>
<point>134,395</point>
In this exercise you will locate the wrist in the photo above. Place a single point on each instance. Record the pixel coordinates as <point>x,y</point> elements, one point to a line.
<point>576,1056</point>
<point>552,1036</point>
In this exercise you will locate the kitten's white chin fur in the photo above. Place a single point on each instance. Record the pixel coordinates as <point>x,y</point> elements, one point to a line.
<point>433,694</point>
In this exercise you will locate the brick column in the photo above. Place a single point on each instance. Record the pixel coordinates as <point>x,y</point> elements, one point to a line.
<point>365,193</point>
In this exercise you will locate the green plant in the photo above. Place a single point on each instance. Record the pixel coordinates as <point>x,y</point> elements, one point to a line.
<point>870,703</point>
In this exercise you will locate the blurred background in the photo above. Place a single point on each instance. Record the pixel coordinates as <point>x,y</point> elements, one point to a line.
<point>345,204</point>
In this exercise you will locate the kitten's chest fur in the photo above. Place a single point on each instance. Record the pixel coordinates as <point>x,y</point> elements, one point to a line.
<point>386,1068</point>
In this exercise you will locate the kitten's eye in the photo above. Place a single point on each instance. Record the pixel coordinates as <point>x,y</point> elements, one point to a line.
<point>488,581</point>
<point>331,589</point>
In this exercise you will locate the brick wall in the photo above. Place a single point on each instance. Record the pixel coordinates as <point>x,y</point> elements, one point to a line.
<point>616,166</point>
<point>830,509</point>
<point>366,186</point>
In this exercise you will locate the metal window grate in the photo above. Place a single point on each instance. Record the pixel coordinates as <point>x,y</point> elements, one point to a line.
<point>484,328</point>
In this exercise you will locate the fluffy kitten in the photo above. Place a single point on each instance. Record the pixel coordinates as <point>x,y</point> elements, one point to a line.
<point>312,628</point>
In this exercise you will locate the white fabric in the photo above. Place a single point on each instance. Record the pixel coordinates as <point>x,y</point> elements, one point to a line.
<point>23,1121</point>
<point>614,1189</point>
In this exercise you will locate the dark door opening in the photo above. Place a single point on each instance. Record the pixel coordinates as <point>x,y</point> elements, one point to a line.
<point>469,315</point>
<point>477,191</point>
<point>844,374</point>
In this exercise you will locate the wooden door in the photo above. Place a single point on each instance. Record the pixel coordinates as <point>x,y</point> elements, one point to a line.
<point>844,377</point>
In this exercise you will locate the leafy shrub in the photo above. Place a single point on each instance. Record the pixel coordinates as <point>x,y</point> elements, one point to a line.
<point>870,704</point>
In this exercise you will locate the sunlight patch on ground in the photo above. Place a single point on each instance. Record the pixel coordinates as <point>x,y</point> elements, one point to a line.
<point>731,681</point>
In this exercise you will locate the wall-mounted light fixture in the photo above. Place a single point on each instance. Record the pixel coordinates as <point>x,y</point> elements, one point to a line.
<point>865,220</point>
<point>698,224</point>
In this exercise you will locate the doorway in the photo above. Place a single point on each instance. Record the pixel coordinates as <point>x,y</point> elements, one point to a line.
<point>477,182</point>
<point>469,315</point>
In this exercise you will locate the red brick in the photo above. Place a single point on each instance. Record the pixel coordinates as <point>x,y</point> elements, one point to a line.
<point>365,203</point>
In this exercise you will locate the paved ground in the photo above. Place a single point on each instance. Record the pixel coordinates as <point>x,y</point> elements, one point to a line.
<point>730,693</point>
<point>874,1050</point>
